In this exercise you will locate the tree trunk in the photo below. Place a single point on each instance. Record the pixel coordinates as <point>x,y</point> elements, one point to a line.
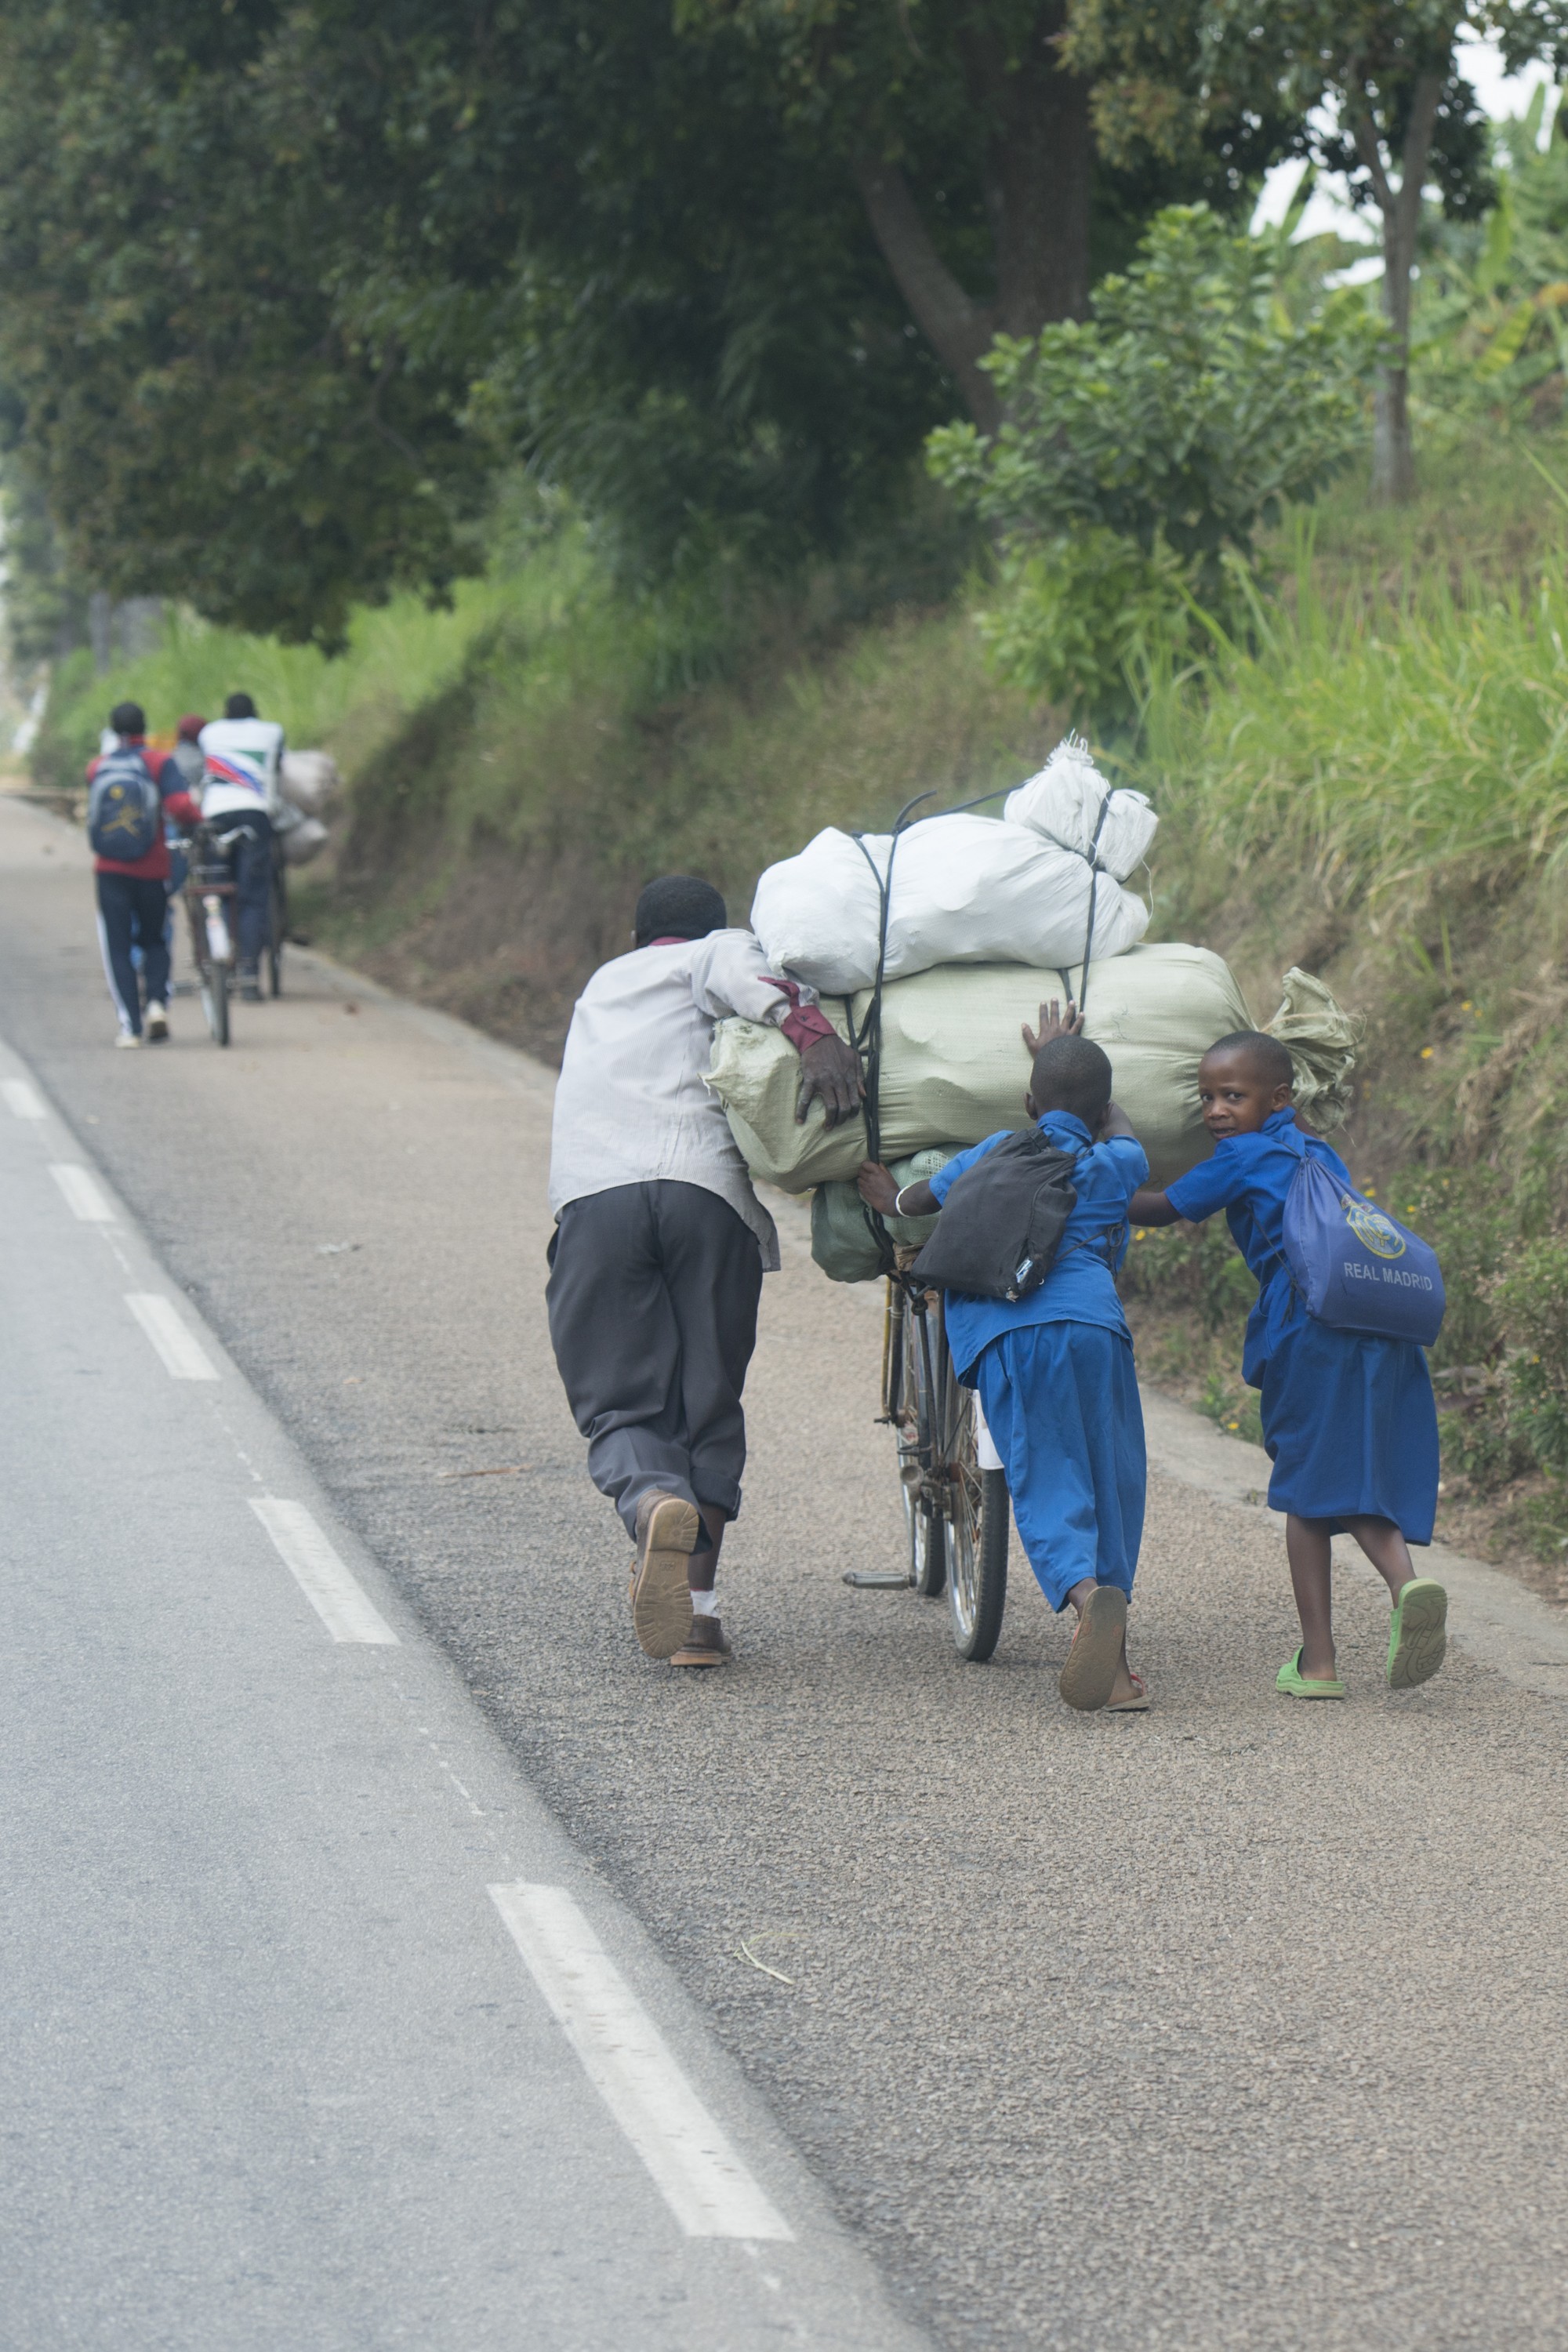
<point>958,330</point>
<point>1039,155</point>
<point>1392,453</point>
<point>1037,160</point>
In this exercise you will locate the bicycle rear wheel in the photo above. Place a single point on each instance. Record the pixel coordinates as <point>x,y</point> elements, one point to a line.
<point>277,931</point>
<point>977,1558</point>
<point>909,1364</point>
<point>215,1000</point>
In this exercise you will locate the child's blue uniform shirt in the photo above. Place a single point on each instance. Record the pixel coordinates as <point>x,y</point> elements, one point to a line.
<point>1349,1421</point>
<point>1081,1285</point>
<point>1249,1178</point>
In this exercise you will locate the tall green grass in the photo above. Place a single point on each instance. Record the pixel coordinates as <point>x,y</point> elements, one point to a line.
<point>1375,742</point>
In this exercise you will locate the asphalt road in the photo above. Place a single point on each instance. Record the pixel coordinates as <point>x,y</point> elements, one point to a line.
<point>1237,2024</point>
<point>319,2033</point>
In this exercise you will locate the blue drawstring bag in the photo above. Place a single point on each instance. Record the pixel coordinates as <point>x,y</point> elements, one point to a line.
<point>1355,1268</point>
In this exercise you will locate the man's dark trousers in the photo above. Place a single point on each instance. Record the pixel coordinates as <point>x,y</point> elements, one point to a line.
<point>251,853</point>
<point>132,912</point>
<point>653,1296</point>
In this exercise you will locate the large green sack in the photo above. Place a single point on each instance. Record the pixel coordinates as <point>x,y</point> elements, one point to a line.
<point>842,1242</point>
<point>954,1064</point>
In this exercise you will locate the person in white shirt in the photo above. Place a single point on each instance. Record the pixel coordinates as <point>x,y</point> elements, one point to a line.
<point>244,762</point>
<point>661,1244</point>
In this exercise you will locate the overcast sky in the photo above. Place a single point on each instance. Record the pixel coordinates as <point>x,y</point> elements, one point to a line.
<point>1501,95</point>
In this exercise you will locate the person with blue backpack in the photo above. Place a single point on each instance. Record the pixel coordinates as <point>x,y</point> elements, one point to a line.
<point>1346,1301</point>
<point>130,795</point>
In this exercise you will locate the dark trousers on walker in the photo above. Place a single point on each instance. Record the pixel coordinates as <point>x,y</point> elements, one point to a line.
<point>653,1299</point>
<point>251,853</point>
<point>133,913</point>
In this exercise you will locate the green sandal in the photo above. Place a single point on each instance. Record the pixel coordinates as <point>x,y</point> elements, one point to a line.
<point>1294,1683</point>
<point>1419,1634</point>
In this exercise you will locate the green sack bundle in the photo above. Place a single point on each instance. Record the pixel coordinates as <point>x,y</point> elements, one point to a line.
<point>954,1067</point>
<point>842,1242</point>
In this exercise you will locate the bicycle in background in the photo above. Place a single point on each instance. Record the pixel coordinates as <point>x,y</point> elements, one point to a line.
<point>208,894</point>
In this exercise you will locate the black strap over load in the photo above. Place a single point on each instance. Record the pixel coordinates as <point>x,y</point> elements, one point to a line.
<point>1001,1223</point>
<point>866,1039</point>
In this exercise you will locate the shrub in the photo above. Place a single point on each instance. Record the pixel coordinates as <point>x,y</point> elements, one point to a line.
<point>1149,445</point>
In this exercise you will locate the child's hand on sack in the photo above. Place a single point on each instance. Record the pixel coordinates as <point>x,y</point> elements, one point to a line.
<point>876,1186</point>
<point>1053,1024</point>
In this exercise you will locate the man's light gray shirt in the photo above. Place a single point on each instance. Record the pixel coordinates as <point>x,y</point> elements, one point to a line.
<point>632,1106</point>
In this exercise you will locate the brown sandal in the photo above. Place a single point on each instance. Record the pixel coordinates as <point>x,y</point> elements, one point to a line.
<point>1139,1703</point>
<point>1089,1674</point>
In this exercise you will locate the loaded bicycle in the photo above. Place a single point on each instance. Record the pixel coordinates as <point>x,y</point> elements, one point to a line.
<point>208,893</point>
<point>957,1516</point>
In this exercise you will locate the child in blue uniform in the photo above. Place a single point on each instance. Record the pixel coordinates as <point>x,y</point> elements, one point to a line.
<point>1349,1421</point>
<point>1054,1369</point>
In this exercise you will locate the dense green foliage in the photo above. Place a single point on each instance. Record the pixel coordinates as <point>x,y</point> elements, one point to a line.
<point>286,288</point>
<point>1144,446</point>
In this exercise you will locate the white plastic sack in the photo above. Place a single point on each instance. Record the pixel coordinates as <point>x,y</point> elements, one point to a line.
<point>310,781</point>
<point>301,842</point>
<point>964,889</point>
<point>1071,803</point>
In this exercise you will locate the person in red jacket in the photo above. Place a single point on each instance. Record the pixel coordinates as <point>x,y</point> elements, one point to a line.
<point>132,896</point>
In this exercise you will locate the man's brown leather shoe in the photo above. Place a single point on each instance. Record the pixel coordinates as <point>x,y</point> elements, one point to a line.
<point>666,1530</point>
<point>706,1644</point>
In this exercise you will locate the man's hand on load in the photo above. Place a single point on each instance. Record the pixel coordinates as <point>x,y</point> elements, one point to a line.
<point>1054,1023</point>
<point>830,1074</point>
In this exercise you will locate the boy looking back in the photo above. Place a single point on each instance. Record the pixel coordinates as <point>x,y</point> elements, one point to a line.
<point>1054,1369</point>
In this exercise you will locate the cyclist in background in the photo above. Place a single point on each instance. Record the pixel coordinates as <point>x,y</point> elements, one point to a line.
<point>242,760</point>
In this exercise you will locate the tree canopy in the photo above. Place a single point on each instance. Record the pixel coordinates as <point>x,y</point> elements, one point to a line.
<point>286,284</point>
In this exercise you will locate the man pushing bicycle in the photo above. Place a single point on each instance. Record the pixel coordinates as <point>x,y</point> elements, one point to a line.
<point>661,1244</point>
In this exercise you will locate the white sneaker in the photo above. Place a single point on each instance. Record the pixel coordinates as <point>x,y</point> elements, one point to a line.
<point>126,1040</point>
<point>157,1024</point>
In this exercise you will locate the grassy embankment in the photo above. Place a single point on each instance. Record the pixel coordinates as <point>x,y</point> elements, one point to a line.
<point>1378,790</point>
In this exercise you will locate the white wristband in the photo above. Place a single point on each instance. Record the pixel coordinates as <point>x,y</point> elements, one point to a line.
<point>897,1210</point>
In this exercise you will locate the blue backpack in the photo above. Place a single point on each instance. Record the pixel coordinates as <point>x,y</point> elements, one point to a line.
<point>1355,1268</point>
<point>124,807</point>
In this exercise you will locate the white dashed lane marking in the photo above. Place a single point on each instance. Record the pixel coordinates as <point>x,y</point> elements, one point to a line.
<point>22,1100</point>
<point>180,1351</point>
<point>630,2064</point>
<point>85,1196</point>
<point>339,1599</point>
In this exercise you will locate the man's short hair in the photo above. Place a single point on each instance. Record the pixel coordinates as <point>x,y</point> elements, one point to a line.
<point>128,719</point>
<point>678,906</point>
<point>239,705</point>
<point>1268,1057</point>
<point>1072,1074</point>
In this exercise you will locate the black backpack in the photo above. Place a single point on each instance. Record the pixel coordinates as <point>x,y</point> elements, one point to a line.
<point>124,807</point>
<point>1001,1225</point>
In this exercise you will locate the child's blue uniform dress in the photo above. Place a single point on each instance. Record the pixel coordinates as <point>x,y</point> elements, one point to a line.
<point>1056,1378</point>
<point>1349,1422</point>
